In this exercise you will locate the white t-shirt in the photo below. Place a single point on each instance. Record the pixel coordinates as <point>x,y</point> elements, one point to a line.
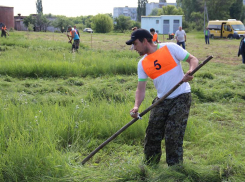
<point>180,35</point>
<point>165,69</point>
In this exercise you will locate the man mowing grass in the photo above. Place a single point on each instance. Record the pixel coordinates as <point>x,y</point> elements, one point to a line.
<point>73,36</point>
<point>161,62</point>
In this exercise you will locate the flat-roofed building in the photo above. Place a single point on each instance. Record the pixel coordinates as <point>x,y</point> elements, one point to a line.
<point>164,24</point>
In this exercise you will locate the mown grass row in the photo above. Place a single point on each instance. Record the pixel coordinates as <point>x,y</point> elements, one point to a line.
<point>57,107</point>
<point>51,140</point>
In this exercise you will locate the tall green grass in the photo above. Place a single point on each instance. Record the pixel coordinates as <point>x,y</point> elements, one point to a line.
<point>56,107</point>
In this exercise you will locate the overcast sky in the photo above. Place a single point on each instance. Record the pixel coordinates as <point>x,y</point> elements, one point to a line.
<point>70,8</point>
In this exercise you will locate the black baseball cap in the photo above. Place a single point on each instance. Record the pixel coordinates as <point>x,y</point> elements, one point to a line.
<point>137,34</point>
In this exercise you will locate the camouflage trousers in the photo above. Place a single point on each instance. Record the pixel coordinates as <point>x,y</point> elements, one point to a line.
<point>167,120</point>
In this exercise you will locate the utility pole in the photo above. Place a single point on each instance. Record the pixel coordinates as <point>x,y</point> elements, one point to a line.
<point>205,13</point>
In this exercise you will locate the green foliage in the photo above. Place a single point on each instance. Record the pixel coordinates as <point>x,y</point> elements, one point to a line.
<point>88,21</point>
<point>102,23</point>
<point>80,27</point>
<point>56,107</point>
<point>84,21</point>
<point>243,14</point>
<point>171,10</point>
<point>190,6</point>
<point>50,15</point>
<point>236,10</point>
<point>155,12</point>
<point>222,6</point>
<point>178,3</point>
<point>39,6</point>
<point>30,27</point>
<point>141,9</point>
<point>197,19</point>
<point>29,20</point>
<point>62,22</point>
<point>42,22</point>
<point>122,23</point>
<point>135,24</point>
<point>193,11</point>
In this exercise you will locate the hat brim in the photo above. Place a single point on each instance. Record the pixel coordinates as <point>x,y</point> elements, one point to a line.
<point>130,42</point>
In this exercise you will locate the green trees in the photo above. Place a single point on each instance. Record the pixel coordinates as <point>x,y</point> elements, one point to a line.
<point>167,10</point>
<point>102,23</point>
<point>217,10</point>
<point>29,20</point>
<point>122,23</point>
<point>141,10</point>
<point>171,10</point>
<point>236,9</point>
<point>42,22</point>
<point>39,6</point>
<point>62,22</point>
<point>155,12</point>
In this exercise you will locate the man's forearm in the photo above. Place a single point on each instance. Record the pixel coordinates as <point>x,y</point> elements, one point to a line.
<point>193,62</point>
<point>139,97</point>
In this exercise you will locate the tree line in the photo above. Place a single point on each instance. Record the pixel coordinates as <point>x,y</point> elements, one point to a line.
<point>192,11</point>
<point>101,23</point>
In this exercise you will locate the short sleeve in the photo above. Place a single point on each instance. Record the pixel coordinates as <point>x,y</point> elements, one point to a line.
<point>178,52</point>
<point>142,76</point>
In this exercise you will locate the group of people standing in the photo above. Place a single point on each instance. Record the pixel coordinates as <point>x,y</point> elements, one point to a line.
<point>75,36</point>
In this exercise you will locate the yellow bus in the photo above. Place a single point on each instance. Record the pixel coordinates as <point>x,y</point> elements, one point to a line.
<point>230,28</point>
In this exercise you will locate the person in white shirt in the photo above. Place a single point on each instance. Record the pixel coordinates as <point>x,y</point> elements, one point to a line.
<point>162,64</point>
<point>180,36</point>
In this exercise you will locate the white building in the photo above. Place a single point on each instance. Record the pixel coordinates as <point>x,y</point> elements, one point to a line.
<point>126,11</point>
<point>164,24</point>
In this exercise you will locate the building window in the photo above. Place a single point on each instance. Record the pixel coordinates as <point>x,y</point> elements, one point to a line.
<point>157,21</point>
<point>176,21</point>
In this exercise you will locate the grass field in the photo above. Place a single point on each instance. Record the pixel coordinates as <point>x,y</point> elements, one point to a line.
<point>56,107</point>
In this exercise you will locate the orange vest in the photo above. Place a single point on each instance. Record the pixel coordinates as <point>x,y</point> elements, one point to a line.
<point>74,30</point>
<point>154,39</point>
<point>158,63</point>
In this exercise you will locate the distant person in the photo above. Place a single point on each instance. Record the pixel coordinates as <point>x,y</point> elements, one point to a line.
<point>168,119</point>
<point>77,30</point>
<point>207,35</point>
<point>241,50</point>
<point>180,36</point>
<point>154,35</point>
<point>134,28</point>
<point>73,36</point>
<point>132,46</point>
<point>4,31</point>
